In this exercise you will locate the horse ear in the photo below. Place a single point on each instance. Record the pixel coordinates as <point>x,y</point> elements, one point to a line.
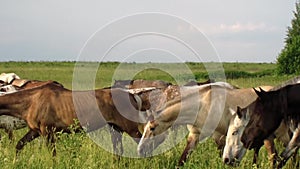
<point>256,91</point>
<point>262,90</point>
<point>239,111</point>
<point>151,118</point>
<point>259,93</point>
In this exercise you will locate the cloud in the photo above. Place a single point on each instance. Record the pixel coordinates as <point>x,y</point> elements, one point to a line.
<point>239,27</point>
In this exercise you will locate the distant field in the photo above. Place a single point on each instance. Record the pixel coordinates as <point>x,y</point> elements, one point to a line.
<point>241,74</point>
<point>78,151</point>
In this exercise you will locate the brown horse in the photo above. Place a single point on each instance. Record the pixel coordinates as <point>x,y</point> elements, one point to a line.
<point>9,123</point>
<point>51,108</point>
<point>268,111</point>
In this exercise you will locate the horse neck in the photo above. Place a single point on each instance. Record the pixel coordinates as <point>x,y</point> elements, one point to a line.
<point>13,105</point>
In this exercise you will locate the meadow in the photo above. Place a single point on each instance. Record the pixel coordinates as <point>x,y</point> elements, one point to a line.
<point>77,150</point>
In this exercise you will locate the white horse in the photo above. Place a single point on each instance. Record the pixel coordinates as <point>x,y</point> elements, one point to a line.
<point>206,111</point>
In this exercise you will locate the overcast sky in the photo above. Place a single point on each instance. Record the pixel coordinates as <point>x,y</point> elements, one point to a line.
<point>239,30</point>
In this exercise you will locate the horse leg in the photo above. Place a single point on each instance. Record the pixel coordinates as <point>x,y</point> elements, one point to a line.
<point>175,130</point>
<point>270,147</point>
<point>292,147</point>
<point>29,136</point>
<point>9,131</point>
<point>116,138</point>
<point>255,156</point>
<point>220,140</point>
<point>295,160</point>
<point>51,143</point>
<point>192,141</point>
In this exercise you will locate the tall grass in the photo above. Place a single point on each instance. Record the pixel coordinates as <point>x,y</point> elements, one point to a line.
<point>79,151</point>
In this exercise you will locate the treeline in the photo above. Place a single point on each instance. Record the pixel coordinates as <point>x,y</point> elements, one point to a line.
<point>234,74</point>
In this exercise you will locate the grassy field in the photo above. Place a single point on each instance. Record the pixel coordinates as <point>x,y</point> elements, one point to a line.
<point>78,151</point>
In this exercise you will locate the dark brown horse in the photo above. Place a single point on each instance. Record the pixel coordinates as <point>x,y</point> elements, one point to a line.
<point>268,111</point>
<point>51,108</point>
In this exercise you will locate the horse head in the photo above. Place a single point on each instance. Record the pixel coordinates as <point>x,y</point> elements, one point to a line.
<point>264,119</point>
<point>234,149</point>
<point>154,134</point>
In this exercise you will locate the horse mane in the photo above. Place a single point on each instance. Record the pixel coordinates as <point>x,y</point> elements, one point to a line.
<point>278,98</point>
<point>284,104</point>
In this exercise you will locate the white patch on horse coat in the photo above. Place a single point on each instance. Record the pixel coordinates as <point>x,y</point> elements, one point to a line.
<point>7,89</point>
<point>232,111</point>
<point>8,77</point>
<point>138,90</point>
<point>9,122</point>
<point>293,145</point>
<point>234,149</point>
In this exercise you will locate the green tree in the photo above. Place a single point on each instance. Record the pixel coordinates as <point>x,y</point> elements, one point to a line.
<point>288,61</point>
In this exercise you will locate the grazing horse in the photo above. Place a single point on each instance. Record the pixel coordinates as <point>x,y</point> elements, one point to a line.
<point>51,108</point>
<point>267,113</point>
<point>197,106</point>
<point>154,96</point>
<point>234,148</point>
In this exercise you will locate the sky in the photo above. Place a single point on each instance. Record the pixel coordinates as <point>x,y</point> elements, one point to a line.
<point>144,31</point>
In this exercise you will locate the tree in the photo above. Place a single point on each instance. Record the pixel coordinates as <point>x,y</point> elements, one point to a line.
<point>288,61</point>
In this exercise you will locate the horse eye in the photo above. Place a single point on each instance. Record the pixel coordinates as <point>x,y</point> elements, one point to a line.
<point>152,128</point>
<point>235,132</point>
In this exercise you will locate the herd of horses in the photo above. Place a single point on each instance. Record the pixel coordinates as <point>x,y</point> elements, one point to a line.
<point>237,119</point>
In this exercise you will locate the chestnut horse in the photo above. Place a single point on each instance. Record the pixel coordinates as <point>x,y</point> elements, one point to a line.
<point>268,111</point>
<point>51,108</point>
<point>10,82</point>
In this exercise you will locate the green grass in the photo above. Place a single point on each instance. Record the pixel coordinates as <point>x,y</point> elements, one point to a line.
<point>79,151</point>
